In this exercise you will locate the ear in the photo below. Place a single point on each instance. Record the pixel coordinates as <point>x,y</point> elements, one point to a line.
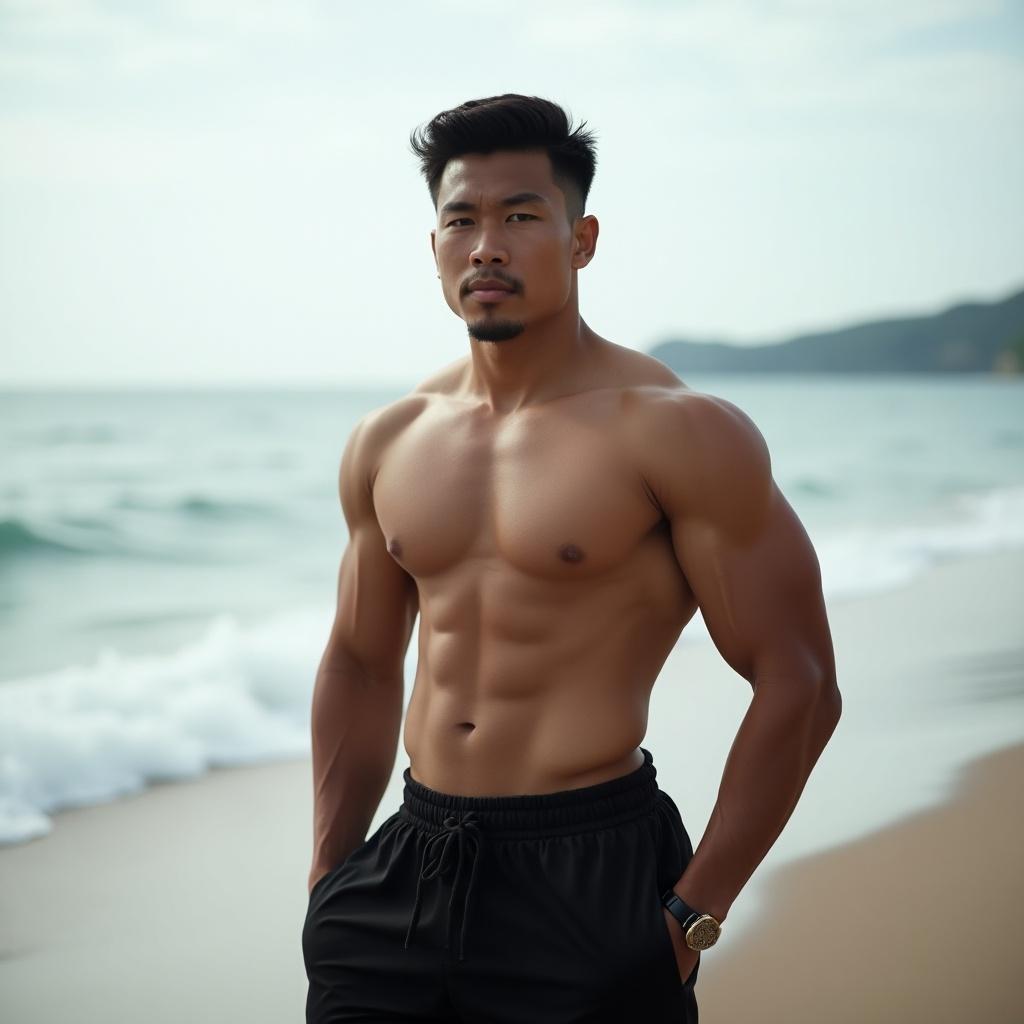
<point>433,245</point>
<point>584,241</point>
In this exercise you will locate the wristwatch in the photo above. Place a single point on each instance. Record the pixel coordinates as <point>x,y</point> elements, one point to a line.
<point>701,930</point>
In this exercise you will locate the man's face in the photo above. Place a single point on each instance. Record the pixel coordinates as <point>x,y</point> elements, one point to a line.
<point>501,217</point>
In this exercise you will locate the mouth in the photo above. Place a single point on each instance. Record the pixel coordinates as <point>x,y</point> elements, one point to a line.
<point>490,294</point>
<point>495,288</point>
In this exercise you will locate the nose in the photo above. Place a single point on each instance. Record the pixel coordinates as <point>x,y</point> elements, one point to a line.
<point>488,251</point>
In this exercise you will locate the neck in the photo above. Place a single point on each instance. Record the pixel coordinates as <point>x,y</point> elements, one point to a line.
<point>545,361</point>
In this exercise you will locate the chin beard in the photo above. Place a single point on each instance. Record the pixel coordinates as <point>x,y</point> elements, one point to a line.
<point>495,330</point>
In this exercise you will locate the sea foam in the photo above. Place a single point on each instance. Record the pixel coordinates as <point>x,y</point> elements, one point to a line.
<point>89,734</point>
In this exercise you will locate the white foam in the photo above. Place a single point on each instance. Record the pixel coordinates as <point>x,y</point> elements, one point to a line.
<point>88,734</point>
<point>866,559</point>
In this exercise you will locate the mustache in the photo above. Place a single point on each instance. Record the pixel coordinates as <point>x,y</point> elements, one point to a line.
<point>491,275</point>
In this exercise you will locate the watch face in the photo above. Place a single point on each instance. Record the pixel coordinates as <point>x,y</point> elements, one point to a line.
<point>703,933</point>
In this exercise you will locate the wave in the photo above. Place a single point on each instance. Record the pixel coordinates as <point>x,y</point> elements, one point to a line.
<point>101,534</point>
<point>812,486</point>
<point>18,538</point>
<point>200,506</point>
<point>65,434</point>
<point>863,559</point>
<point>212,508</point>
<point>860,561</point>
<point>89,734</point>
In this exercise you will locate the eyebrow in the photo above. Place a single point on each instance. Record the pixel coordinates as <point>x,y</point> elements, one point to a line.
<point>517,200</point>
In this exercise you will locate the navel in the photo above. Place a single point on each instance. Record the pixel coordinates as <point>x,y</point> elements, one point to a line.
<point>570,553</point>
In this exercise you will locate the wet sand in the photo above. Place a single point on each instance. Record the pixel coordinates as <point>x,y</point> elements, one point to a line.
<point>918,922</point>
<point>185,903</point>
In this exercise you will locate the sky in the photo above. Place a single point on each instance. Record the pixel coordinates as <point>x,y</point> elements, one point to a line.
<point>221,192</point>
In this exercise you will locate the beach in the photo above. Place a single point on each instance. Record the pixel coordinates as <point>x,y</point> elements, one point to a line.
<point>917,922</point>
<point>185,903</point>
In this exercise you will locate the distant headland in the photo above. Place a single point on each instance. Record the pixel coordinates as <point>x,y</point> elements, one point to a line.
<point>972,337</point>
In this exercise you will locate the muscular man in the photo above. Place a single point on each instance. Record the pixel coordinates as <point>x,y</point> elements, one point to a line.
<point>555,507</point>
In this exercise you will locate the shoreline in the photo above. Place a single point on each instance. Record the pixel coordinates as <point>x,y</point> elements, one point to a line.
<point>855,619</point>
<point>188,897</point>
<point>916,922</point>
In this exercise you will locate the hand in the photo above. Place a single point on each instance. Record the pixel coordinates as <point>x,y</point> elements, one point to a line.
<point>686,958</point>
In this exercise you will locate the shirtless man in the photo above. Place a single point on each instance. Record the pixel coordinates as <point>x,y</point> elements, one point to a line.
<point>555,507</point>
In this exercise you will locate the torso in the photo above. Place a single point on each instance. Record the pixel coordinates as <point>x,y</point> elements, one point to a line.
<point>549,592</point>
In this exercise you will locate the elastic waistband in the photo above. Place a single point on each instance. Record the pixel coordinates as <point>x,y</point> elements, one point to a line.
<point>566,811</point>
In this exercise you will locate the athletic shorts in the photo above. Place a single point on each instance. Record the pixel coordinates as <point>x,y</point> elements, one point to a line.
<point>536,909</point>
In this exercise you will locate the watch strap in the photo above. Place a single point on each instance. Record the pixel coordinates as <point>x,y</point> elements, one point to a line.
<point>700,929</point>
<point>679,908</point>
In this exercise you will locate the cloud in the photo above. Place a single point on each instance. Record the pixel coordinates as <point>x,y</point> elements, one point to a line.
<point>49,38</point>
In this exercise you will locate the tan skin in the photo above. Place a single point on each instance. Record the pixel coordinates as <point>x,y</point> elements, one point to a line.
<point>555,507</point>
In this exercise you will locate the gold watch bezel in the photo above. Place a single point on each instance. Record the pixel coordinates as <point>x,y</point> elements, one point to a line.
<point>703,933</point>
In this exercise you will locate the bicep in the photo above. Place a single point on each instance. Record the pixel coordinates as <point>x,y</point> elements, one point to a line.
<point>740,545</point>
<point>377,600</point>
<point>760,594</point>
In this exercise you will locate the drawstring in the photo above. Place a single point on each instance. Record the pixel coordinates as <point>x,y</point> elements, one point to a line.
<point>459,830</point>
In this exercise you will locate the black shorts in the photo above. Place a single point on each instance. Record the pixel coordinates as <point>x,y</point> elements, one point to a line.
<point>538,909</point>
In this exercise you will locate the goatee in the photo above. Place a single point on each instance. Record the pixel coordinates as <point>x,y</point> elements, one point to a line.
<point>495,330</point>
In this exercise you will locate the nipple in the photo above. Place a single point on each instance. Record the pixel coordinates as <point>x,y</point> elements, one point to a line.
<point>570,553</point>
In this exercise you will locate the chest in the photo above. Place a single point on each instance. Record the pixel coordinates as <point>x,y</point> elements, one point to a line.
<point>553,496</point>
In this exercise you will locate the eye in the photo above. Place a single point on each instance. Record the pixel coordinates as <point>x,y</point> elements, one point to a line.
<point>530,215</point>
<point>453,223</point>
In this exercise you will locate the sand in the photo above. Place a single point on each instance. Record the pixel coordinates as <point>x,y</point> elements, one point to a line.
<point>185,903</point>
<point>918,922</point>
<point>117,918</point>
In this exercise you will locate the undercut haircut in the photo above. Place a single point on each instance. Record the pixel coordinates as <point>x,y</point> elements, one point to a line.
<point>511,122</point>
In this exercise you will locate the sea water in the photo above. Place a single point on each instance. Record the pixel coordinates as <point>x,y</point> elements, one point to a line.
<point>168,560</point>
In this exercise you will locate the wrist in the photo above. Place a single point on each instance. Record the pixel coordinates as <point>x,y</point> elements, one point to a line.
<point>718,908</point>
<point>701,930</point>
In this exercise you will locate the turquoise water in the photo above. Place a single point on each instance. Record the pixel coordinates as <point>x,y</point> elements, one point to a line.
<point>169,560</point>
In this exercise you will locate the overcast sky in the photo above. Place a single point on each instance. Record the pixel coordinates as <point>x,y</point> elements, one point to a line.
<point>221,191</point>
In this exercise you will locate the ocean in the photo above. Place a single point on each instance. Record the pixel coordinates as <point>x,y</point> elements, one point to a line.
<point>168,559</point>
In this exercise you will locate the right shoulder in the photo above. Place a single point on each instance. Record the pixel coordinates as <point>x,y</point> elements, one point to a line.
<point>377,429</point>
<point>370,438</point>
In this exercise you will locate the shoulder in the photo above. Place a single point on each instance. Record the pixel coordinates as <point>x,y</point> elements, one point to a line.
<point>377,429</point>
<point>701,455</point>
<point>708,424</point>
<point>365,449</point>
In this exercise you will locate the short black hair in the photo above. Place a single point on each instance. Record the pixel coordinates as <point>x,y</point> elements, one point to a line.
<point>511,122</point>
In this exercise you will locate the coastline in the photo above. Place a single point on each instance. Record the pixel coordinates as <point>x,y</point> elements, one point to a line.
<point>188,898</point>
<point>917,922</point>
<point>200,920</point>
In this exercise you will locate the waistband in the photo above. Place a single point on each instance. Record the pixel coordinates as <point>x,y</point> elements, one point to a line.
<point>542,814</point>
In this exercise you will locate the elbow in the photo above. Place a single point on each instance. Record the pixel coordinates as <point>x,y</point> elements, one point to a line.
<point>815,698</point>
<point>809,692</point>
<point>828,709</point>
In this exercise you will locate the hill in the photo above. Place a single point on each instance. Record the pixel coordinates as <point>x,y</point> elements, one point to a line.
<point>972,337</point>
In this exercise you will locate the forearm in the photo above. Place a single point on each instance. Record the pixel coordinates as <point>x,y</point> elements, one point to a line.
<point>356,720</point>
<point>779,741</point>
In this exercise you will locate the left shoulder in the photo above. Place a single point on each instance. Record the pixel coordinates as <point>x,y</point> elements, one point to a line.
<point>702,456</point>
